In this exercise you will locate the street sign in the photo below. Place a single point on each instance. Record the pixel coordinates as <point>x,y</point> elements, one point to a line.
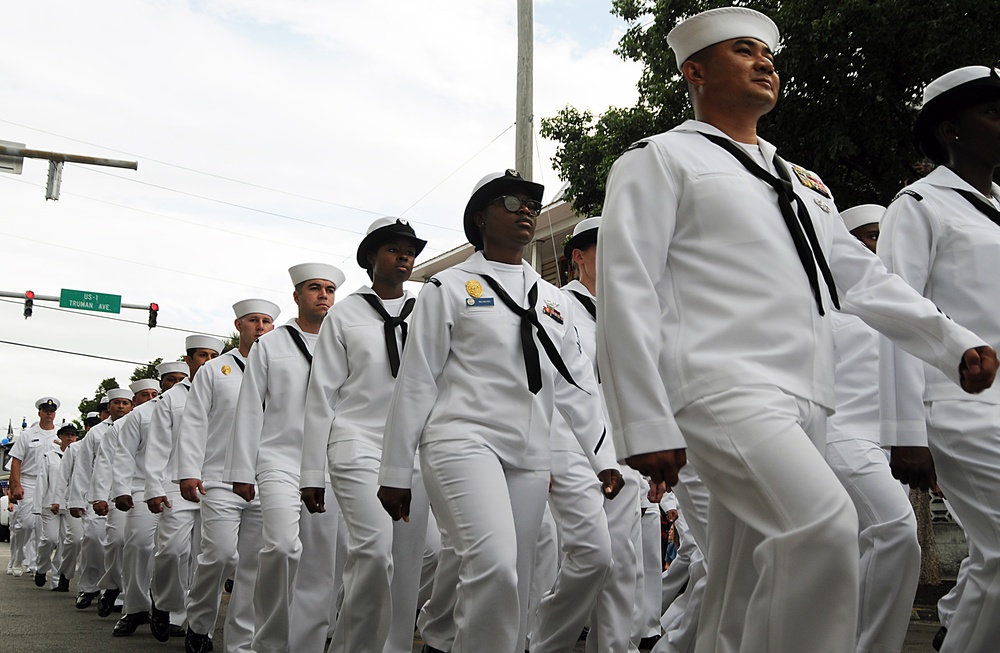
<point>11,164</point>
<point>90,301</point>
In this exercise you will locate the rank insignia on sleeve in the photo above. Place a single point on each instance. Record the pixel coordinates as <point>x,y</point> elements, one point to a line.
<point>226,369</point>
<point>637,145</point>
<point>810,180</point>
<point>550,310</point>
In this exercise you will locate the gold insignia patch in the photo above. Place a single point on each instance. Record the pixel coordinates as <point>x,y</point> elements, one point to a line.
<point>226,369</point>
<point>474,288</point>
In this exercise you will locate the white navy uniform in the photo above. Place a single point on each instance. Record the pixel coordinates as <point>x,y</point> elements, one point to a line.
<point>70,529</point>
<point>231,528</point>
<point>710,337</point>
<point>594,531</point>
<point>129,462</point>
<point>890,552</point>
<point>947,249</point>
<point>28,448</point>
<point>266,447</point>
<point>91,549</point>
<point>113,538</point>
<point>346,405</point>
<point>462,396</point>
<point>177,529</point>
<point>48,524</point>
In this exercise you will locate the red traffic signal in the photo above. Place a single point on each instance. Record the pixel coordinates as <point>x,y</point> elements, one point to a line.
<point>153,309</point>
<point>29,303</point>
<point>29,294</point>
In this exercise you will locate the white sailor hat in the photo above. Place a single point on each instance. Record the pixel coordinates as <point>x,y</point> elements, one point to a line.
<point>381,230</point>
<point>198,341</point>
<point>144,384</point>
<point>173,366</point>
<point>248,306</point>
<point>104,400</point>
<point>961,88</point>
<point>306,271</point>
<point>92,413</point>
<point>119,393</point>
<point>859,216</point>
<point>717,25</point>
<point>584,235</point>
<point>49,404</point>
<point>489,188</point>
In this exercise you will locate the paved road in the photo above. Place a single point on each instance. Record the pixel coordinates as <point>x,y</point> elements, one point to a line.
<point>36,620</point>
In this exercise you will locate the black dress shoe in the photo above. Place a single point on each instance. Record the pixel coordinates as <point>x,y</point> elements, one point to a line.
<point>159,624</point>
<point>129,623</point>
<point>63,585</point>
<point>195,643</point>
<point>39,580</point>
<point>229,586</point>
<point>647,643</point>
<point>106,604</point>
<point>84,599</point>
<point>939,636</point>
<point>430,649</point>
<point>177,631</point>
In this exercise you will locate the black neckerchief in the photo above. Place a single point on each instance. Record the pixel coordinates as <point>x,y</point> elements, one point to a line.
<point>801,227</point>
<point>986,209</point>
<point>390,324</point>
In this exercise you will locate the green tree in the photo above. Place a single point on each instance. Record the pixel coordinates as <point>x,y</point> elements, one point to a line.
<point>88,405</point>
<point>232,342</point>
<point>852,75</point>
<point>147,371</point>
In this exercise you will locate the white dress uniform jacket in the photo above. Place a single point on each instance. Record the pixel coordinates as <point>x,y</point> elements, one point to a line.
<point>207,424</point>
<point>130,454</point>
<point>104,471</point>
<point>83,468</point>
<point>273,440</point>
<point>350,386</point>
<point>946,249</point>
<point>711,318</point>
<point>855,380</point>
<point>161,450</point>
<point>455,383</point>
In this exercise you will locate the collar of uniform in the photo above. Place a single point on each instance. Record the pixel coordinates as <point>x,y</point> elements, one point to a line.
<point>575,285</point>
<point>477,264</point>
<point>945,177</point>
<point>692,126</point>
<point>367,290</point>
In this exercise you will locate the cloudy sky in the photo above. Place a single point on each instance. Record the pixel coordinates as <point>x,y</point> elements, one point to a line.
<point>267,134</point>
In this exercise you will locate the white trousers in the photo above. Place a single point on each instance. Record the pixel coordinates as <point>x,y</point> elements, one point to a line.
<point>651,576</point>
<point>231,537</point>
<point>492,514</point>
<point>70,540</point>
<point>177,541</point>
<point>48,541</point>
<point>137,558</point>
<point>547,561</point>
<point>611,618</point>
<point>964,438</point>
<point>436,620</point>
<point>91,552</point>
<point>113,543</point>
<point>783,533</point>
<point>429,562</point>
<point>890,552</point>
<point>382,570</point>
<point>291,610</point>
<point>578,505</point>
<point>680,618</point>
<point>23,526</point>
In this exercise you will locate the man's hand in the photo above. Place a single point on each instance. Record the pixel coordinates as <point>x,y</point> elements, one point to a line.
<point>611,483</point>
<point>314,498</point>
<point>16,494</point>
<point>659,466</point>
<point>191,488</point>
<point>157,504</point>
<point>656,492</point>
<point>124,502</point>
<point>54,508</point>
<point>245,490</point>
<point>978,369</point>
<point>76,512</point>
<point>672,515</point>
<point>102,508</point>
<point>913,466</point>
<point>396,502</point>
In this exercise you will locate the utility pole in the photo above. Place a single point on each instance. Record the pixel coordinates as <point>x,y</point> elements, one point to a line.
<point>13,154</point>
<point>525,88</point>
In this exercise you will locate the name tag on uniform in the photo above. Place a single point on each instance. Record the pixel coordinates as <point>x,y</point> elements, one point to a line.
<point>479,301</point>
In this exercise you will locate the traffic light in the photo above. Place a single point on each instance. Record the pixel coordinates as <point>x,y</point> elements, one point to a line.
<point>29,303</point>
<point>153,309</point>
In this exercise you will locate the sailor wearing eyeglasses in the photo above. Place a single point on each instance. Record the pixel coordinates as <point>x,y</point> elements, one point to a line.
<point>492,347</point>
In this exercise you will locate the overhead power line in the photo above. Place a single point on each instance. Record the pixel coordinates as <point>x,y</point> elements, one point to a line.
<point>71,353</point>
